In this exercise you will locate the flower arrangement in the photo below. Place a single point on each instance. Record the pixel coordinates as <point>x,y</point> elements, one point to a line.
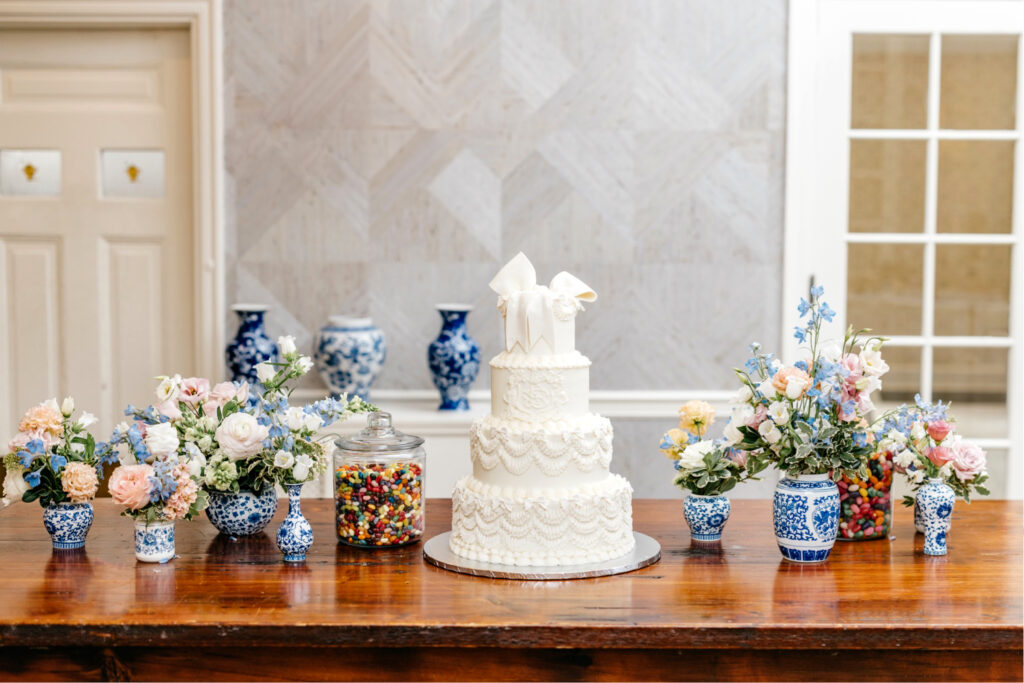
<point>53,458</point>
<point>924,445</point>
<point>706,467</point>
<point>810,417</point>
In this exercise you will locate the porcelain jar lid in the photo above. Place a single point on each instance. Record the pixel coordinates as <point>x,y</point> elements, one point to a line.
<point>379,437</point>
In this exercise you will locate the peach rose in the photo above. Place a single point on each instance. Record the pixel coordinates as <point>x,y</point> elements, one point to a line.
<point>45,417</point>
<point>79,481</point>
<point>193,390</point>
<point>939,455</point>
<point>791,382</point>
<point>130,486</point>
<point>939,430</point>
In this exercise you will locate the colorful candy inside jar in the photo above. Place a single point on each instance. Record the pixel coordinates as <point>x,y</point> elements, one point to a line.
<point>378,486</point>
<point>865,505</point>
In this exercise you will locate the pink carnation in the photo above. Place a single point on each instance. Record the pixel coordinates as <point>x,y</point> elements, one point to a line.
<point>939,430</point>
<point>968,460</point>
<point>130,486</point>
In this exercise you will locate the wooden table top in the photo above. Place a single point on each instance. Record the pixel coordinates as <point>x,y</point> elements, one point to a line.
<point>219,592</point>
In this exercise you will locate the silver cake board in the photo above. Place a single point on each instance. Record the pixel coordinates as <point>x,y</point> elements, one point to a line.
<point>646,551</point>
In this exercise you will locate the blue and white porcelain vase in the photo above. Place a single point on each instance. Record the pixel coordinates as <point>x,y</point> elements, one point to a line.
<point>68,524</point>
<point>154,541</point>
<point>349,354</point>
<point>706,516</point>
<point>806,513</point>
<point>251,345</point>
<point>242,514</point>
<point>918,522</point>
<point>936,500</point>
<point>454,357</point>
<point>295,536</point>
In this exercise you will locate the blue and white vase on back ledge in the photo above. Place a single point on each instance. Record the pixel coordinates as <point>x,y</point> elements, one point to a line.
<point>454,357</point>
<point>251,345</point>
<point>806,514</point>
<point>350,354</point>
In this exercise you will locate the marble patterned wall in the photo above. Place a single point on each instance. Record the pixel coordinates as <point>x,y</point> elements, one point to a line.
<point>383,156</point>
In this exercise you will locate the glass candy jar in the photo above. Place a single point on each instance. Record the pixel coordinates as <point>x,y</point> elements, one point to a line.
<point>865,505</point>
<point>378,486</point>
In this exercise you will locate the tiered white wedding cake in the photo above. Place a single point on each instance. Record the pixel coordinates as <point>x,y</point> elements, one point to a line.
<point>541,493</point>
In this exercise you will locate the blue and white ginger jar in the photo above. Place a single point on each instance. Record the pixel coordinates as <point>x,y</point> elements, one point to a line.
<point>242,514</point>
<point>295,536</point>
<point>68,524</point>
<point>251,345</point>
<point>806,514</point>
<point>350,354</point>
<point>154,542</point>
<point>706,516</point>
<point>454,357</point>
<point>936,499</point>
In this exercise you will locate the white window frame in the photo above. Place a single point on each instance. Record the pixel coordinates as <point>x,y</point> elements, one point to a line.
<point>817,172</point>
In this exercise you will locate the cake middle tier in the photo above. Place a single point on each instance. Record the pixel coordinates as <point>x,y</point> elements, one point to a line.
<point>551,454</point>
<point>533,387</point>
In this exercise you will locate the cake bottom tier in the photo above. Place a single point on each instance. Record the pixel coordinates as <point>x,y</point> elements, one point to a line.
<point>542,528</point>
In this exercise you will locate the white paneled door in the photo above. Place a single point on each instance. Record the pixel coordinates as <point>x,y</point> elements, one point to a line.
<point>96,217</point>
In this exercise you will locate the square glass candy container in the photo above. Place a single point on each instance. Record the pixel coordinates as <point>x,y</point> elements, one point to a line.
<point>865,505</point>
<point>379,486</point>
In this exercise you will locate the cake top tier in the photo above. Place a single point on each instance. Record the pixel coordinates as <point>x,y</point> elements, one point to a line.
<point>538,319</point>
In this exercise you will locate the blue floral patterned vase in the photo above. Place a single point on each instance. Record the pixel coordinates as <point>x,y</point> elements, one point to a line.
<point>454,357</point>
<point>68,524</point>
<point>251,345</point>
<point>242,514</point>
<point>154,542</point>
<point>295,536</point>
<point>918,522</point>
<point>806,514</point>
<point>349,354</point>
<point>936,500</point>
<point>706,516</point>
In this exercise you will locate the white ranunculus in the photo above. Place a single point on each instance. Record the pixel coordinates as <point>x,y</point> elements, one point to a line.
<point>743,395</point>
<point>86,420</point>
<point>917,431</point>
<point>692,457</point>
<point>283,459</point>
<point>294,418</point>
<point>732,434</point>
<point>68,406</point>
<point>240,436</point>
<point>767,389</point>
<point>161,439</point>
<point>286,344</point>
<point>905,458</point>
<point>313,422</point>
<point>15,486</point>
<point>168,389</point>
<point>265,372</point>
<point>778,411</point>
<point>300,472</point>
<point>795,387</point>
<point>872,362</point>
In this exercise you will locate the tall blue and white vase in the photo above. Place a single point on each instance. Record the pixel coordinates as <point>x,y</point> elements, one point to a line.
<point>242,514</point>
<point>350,354</point>
<point>251,345</point>
<point>706,516</point>
<point>68,524</point>
<point>154,541</point>
<point>806,514</point>
<point>295,536</point>
<point>454,357</point>
<point>936,500</point>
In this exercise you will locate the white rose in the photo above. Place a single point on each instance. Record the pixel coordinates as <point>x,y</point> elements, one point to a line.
<point>168,389</point>
<point>872,362</point>
<point>294,418</point>
<point>779,412</point>
<point>86,420</point>
<point>67,407</point>
<point>795,387</point>
<point>313,422</point>
<point>767,389</point>
<point>917,431</point>
<point>732,434</point>
<point>240,436</point>
<point>286,344</point>
<point>161,439</point>
<point>283,459</point>
<point>743,395</point>
<point>300,472</point>
<point>265,372</point>
<point>305,364</point>
<point>14,487</point>
<point>693,455</point>
<point>905,458</point>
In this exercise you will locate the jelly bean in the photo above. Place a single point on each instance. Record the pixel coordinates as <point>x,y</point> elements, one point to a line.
<point>368,512</point>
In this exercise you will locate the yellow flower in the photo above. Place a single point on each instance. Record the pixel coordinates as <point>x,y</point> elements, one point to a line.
<point>696,417</point>
<point>679,440</point>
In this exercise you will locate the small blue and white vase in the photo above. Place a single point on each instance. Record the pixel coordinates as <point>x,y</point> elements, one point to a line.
<point>706,516</point>
<point>68,524</point>
<point>936,500</point>
<point>349,354</point>
<point>242,514</point>
<point>918,522</point>
<point>154,541</point>
<point>806,514</point>
<point>251,345</point>
<point>454,357</point>
<point>295,536</point>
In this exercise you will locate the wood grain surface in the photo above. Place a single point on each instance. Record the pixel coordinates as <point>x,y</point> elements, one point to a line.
<point>226,609</point>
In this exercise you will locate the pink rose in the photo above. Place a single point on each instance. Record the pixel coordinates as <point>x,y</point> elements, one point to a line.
<point>968,460</point>
<point>759,416</point>
<point>194,389</point>
<point>939,455</point>
<point>939,430</point>
<point>130,486</point>
<point>169,409</point>
<point>219,395</point>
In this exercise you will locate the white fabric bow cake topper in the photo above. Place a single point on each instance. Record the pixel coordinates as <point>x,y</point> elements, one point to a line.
<point>530,309</point>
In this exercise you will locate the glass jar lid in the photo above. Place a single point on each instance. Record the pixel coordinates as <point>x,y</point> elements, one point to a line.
<point>379,436</point>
